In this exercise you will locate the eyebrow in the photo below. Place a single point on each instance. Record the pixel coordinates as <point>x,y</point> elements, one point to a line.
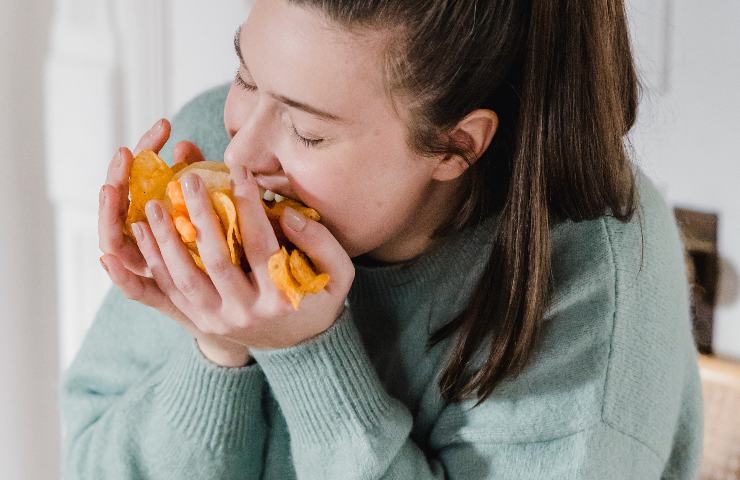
<point>288,101</point>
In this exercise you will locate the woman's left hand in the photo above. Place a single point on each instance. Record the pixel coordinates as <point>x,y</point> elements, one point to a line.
<point>246,308</point>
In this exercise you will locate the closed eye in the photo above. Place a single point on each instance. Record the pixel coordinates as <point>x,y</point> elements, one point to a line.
<point>240,81</point>
<point>307,142</point>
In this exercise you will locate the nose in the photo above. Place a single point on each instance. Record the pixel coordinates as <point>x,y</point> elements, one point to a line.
<point>251,144</point>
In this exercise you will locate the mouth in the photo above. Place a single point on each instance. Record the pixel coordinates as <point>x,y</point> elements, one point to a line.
<point>271,197</point>
<point>274,196</point>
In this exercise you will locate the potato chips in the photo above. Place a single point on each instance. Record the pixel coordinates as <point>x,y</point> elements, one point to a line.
<point>152,179</point>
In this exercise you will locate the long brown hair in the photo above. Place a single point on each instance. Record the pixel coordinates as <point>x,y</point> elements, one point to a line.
<point>560,75</point>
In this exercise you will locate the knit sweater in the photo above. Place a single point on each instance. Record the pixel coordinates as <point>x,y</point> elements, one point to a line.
<point>611,392</point>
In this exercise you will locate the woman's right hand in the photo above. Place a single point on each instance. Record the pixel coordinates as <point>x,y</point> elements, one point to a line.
<point>122,258</point>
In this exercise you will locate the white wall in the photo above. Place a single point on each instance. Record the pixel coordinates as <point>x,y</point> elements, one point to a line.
<point>28,322</point>
<point>688,132</point>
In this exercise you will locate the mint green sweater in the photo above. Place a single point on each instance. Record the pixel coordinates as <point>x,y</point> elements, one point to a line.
<point>612,392</point>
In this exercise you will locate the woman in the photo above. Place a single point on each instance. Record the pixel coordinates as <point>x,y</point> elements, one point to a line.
<point>507,294</point>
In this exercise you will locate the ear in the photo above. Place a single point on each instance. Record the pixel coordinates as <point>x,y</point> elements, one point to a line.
<point>475,131</point>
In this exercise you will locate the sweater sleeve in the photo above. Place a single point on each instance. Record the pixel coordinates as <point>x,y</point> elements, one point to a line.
<point>141,401</point>
<point>344,424</point>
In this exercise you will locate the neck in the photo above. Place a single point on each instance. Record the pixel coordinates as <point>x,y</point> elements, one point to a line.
<point>440,202</point>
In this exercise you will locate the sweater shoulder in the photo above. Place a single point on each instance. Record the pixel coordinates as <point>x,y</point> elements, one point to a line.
<point>651,382</point>
<point>201,121</point>
<point>615,346</point>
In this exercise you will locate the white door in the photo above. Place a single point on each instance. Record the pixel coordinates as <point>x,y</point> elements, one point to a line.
<point>114,69</point>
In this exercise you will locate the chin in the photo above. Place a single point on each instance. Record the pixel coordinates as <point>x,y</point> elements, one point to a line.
<point>355,250</point>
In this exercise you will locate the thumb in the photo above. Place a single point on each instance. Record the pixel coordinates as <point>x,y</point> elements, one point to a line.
<point>187,152</point>
<point>326,253</point>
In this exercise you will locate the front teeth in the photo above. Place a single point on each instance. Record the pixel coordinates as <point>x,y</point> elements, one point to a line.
<point>269,196</point>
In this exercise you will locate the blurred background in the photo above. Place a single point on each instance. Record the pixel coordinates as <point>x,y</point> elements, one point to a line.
<point>82,77</point>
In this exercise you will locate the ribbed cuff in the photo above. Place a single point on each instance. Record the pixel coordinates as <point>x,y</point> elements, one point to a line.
<point>326,387</point>
<point>221,406</point>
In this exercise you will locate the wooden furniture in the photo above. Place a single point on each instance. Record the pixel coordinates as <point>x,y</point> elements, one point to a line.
<point>699,235</point>
<point>721,392</point>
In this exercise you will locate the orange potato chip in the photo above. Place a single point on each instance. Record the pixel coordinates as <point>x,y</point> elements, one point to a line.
<point>197,260</point>
<point>300,267</point>
<point>226,211</point>
<point>275,210</point>
<point>178,166</point>
<point>279,271</point>
<point>304,274</point>
<point>185,228</point>
<point>152,179</point>
<point>147,181</point>
<point>175,197</point>
<point>317,284</point>
<point>215,175</point>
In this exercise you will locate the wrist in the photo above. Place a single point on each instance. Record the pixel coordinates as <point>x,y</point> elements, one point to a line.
<point>232,355</point>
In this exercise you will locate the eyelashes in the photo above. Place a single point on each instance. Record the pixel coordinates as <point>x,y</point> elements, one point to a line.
<point>240,81</point>
<point>307,142</point>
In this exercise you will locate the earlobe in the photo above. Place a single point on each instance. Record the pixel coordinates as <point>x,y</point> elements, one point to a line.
<point>475,132</point>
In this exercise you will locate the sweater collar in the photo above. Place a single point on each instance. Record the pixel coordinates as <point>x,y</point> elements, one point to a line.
<point>454,257</point>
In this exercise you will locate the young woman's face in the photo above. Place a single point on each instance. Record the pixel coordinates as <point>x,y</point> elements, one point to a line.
<point>350,163</point>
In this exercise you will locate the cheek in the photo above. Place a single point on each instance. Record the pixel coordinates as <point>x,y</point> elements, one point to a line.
<point>362,207</point>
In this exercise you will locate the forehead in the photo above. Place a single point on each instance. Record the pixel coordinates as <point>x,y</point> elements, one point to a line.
<point>298,53</point>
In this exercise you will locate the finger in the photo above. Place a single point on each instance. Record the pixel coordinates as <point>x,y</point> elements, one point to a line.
<point>155,138</point>
<point>187,152</point>
<point>111,239</point>
<point>151,252</point>
<point>326,253</point>
<point>228,278</point>
<point>258,237</point>
<point>187,277</point>
<point>118,174</point>
<point>143,290</point>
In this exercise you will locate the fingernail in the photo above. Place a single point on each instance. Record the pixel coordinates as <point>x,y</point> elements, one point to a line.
<point>105,267</point>
<point>155,210</point>
<point>294,219</point>
<point>158,126</point>
<point>119,159</point>
<point>191,184</point>
<point>138,231</point>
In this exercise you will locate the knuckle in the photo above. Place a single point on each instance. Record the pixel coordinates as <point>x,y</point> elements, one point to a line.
<point>109,243</point>
<point>199,324</point>
<point>163,237</point>
<point>245,326</point>
<point>188,286</point>
<point>161,278</point>
<point>243,322</point>
<point>220,266</point>
<point>133,293</point>
<point>216,328</point>
<point>196,209</point>
<point>278,308</point>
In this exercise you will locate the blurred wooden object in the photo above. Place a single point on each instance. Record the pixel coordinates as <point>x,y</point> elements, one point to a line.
<point>721,392</point>
<point>699,233</point>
